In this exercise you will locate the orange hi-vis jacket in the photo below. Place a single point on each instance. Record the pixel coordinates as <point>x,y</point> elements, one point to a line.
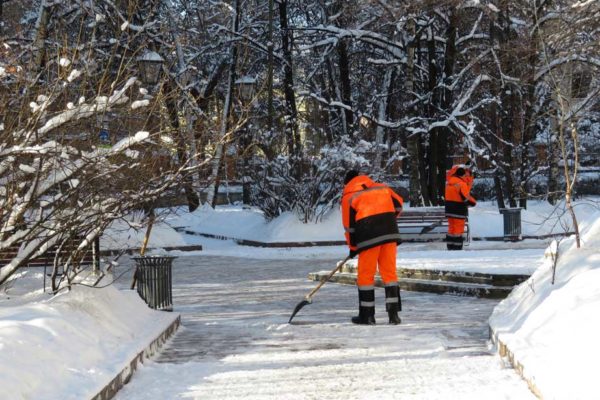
<point>458,197</point>
<point>468,177</point>
<point>369,212</point>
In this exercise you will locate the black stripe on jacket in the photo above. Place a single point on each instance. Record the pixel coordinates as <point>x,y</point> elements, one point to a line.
<point>373,230</point>
<point>456,209</point>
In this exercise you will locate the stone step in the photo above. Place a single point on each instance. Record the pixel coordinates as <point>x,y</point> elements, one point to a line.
<point>425,285</point>
<point>501,280</point>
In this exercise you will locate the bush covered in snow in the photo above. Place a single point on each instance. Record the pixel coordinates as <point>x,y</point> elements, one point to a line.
<point>310,189</point>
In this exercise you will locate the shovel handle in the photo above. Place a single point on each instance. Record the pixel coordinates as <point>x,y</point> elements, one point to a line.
<point>323,281</point>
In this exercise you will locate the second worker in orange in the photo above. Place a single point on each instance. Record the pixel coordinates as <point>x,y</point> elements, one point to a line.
<point>459,181</point>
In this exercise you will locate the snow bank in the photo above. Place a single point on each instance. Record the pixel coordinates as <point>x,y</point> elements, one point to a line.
<point>287,228</point>
<point>122,234</point>
<point>552,330</point>
<point>237,222</point>
<point>248,223</point>
<point>242,222</point>
<point>540,218</point>
<point>69,346</point>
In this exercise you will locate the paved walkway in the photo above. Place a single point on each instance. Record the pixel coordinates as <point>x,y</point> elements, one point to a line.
<point>235,341</point>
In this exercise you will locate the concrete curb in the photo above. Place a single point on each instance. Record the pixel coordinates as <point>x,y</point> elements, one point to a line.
<point>123,377</point>
<point>114,252</point>
<point>505,352</point>
<point>254,243</point>
<point>424,285</point>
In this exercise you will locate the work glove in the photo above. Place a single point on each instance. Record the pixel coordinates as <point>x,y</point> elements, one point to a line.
<point>352,253</point>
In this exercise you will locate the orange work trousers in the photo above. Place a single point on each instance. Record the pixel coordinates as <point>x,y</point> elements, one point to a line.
<point>383,255</point>
<point>456,226</point>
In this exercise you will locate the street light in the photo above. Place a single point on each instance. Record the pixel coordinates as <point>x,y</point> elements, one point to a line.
<point>150,65</point>
<point>246,86</point>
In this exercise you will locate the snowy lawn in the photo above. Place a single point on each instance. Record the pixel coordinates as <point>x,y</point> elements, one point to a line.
<point>248,223</point>
<point>552,329</point>
<point>69,346</point>
<point>235,341</point>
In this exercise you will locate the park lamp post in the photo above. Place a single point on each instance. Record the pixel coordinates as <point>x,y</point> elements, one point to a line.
<point>152,273</point>
<point>246,86</point>
<point>150,66</point>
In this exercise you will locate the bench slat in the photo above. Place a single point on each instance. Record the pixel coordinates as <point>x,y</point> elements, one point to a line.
<point>411,223</point>
<point>87,256</point>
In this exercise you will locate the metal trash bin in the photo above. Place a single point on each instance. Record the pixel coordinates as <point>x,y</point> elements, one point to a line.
<point>512,224</point>
<point>154,283</point>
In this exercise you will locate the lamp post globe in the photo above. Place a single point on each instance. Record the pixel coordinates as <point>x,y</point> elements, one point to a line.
<point>150,65</point>
<point>246,85</point>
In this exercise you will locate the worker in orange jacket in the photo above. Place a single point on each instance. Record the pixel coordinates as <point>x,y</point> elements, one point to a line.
<point>459,182</point>
<point>369,212</point>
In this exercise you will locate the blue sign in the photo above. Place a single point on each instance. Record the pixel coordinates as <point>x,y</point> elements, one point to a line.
<point>103,135</point>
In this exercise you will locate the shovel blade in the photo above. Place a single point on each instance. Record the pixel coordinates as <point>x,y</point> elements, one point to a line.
<point>431,227</point>
<point>298,308</point>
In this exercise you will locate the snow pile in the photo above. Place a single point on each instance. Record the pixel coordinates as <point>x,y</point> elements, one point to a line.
<point>69,346</point>
<point>540,218</point>
<point>236,222</point>
<point>287,228</point>
<point>130,235</point>
<point>552,330</point>
<point>249,223</point>
<point>243,222</point>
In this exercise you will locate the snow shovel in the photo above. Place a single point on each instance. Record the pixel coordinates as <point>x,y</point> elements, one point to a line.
<point>308,298</point>
<point>431,227</point>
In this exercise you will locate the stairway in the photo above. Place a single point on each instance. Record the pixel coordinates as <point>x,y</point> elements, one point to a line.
<point>492,286</point>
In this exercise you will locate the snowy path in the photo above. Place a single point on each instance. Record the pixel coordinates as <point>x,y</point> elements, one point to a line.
<point>235,341</point>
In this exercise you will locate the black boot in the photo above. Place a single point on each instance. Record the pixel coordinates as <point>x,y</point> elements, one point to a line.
<point>392,302</point>
<point>366,307</point>
<point>454,242</point>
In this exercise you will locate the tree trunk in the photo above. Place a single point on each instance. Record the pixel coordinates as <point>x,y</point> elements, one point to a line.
<point>570,178</point>
<point>423,174</point>
<point>508,108</point>
<point>384,94</point>
<point>270,110</point>
<point>1,18</point>
<point>292,136</point>
<point>213,188</point>
<point>430,163</point>
<point>552,159</point>
<point>183,157</point>
<point>41,34</point>
<point>346,97</point>
<point>494,144</point>
<point>335,113</point>
<point>412,145</point>
<point>445,134</point>
<point>508,134</point>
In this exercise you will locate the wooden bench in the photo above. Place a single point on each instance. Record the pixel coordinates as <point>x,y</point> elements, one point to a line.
<point>88,258</point>
<point>426,224</point>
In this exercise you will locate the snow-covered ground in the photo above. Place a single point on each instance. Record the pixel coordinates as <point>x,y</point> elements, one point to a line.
<point>235,341</point>
<point>235,301</point>
<point>70,345</point>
